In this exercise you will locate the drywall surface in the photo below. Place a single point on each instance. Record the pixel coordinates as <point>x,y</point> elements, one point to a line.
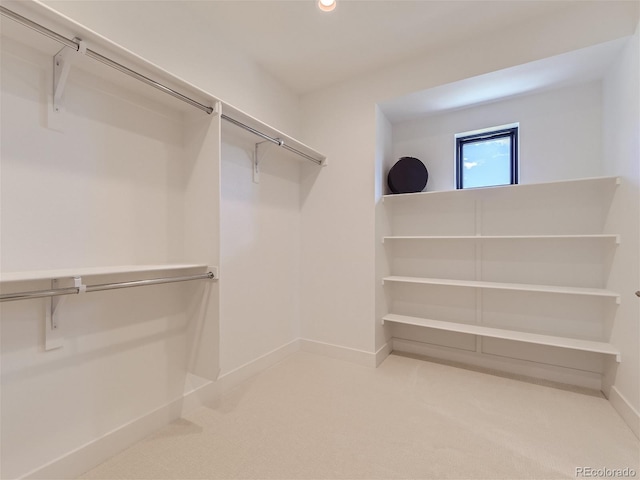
<point>621,153</point>
<point>338,262</point>
<point>125,180</point>
<point>176,38</point>
<point>338,216</point>
<point>107,189</point>
<point>260,251</point>
<point>560,135</point>
<point>384,156</point>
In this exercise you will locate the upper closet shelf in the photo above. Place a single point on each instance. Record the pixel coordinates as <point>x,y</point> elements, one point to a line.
<point>269,134</point>
<point>536,189</point>
<point>47,31</point>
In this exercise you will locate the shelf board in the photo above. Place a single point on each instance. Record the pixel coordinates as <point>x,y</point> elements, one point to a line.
<point>31,275</point>
<point>598,292</point>
<point>615,238</point>
<point>563,184</point>
<point>253,122</point>
<point>561,342</point>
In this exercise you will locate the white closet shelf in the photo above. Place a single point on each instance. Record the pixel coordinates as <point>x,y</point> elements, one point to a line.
<point>254,123</point>
<point>20,276</point>
<point>549,340</point>
<point>591,182</point>
<point>598,292</point>
<point>615,238</point>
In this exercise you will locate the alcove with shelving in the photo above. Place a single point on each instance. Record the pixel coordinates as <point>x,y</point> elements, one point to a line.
<point>512,278</point>
<point>538,281</point>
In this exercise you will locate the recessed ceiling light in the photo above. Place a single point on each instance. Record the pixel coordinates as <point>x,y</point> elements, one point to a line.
<point>326,5</point>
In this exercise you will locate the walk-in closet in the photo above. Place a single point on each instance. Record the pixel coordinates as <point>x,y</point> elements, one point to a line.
<point>205,271</point>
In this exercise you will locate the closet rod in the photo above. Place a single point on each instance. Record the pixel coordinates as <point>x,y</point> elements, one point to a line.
<point>100,287</point>
<point>277,141</point>
<point>101,58</point>
<point>138,76</point>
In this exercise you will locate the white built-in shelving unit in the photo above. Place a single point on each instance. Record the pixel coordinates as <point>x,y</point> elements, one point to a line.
<point>524,263</point>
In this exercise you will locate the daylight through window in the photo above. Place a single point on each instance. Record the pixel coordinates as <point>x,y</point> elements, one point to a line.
<point>487,157</point>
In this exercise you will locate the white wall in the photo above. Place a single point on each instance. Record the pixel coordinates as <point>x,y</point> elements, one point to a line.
<point>560,135</point>
<point>621,108</point>
<point>259,224</point>
<point>383,162</point>
<point>260,251</point>
<point>109,188</point>
<point>182,42</point>
<point>338,210</point>
<point>132,181</point>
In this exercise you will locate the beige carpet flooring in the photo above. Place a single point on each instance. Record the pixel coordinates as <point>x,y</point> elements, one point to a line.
<point>312,417</point>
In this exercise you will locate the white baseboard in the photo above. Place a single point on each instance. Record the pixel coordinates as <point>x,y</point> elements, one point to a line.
<point>568,376</point>
<point>84,458</point>
<point>629,414</point>
<point>383,352</point>
<point>231,379</point>
<point>367,359</point>
<point>198,392</point>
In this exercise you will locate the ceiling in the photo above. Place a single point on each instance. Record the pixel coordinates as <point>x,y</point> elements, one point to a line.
<point>305,48</point>
<point>570,68</point>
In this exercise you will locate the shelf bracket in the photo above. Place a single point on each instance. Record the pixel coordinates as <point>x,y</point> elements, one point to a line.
<point>256,158</point>
<point>62,62</point>
<point>52,332</point>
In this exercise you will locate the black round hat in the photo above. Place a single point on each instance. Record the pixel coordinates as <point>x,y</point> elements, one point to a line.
<point>408,175</point>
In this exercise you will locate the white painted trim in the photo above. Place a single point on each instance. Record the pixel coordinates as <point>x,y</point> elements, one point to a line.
<point>87,456</point>
<point>629,414</point>
<point>382,353</point>
<point>231,379</point>
<point>198,392</point>
<point>524,368</point>
<point>367,359</point>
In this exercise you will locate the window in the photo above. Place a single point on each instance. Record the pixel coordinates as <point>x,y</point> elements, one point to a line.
<point>487,157</point>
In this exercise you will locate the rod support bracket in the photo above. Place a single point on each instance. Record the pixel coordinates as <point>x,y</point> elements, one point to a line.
<point>213,272</point>
<point>62,62</point>
<point>77,283</point>
<point>256,159</point>
<point>52,335</point>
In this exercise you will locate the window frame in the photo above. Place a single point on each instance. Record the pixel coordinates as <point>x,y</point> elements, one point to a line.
<point>463,139</point>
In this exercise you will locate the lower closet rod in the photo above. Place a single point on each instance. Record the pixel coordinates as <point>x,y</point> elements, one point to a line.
<point>104,286</point>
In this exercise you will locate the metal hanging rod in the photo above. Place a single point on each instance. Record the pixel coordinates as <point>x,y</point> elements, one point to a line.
<point>138,76</point>
<point>100,287</point>
<point>101,58</point>
<point>277,141</point>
